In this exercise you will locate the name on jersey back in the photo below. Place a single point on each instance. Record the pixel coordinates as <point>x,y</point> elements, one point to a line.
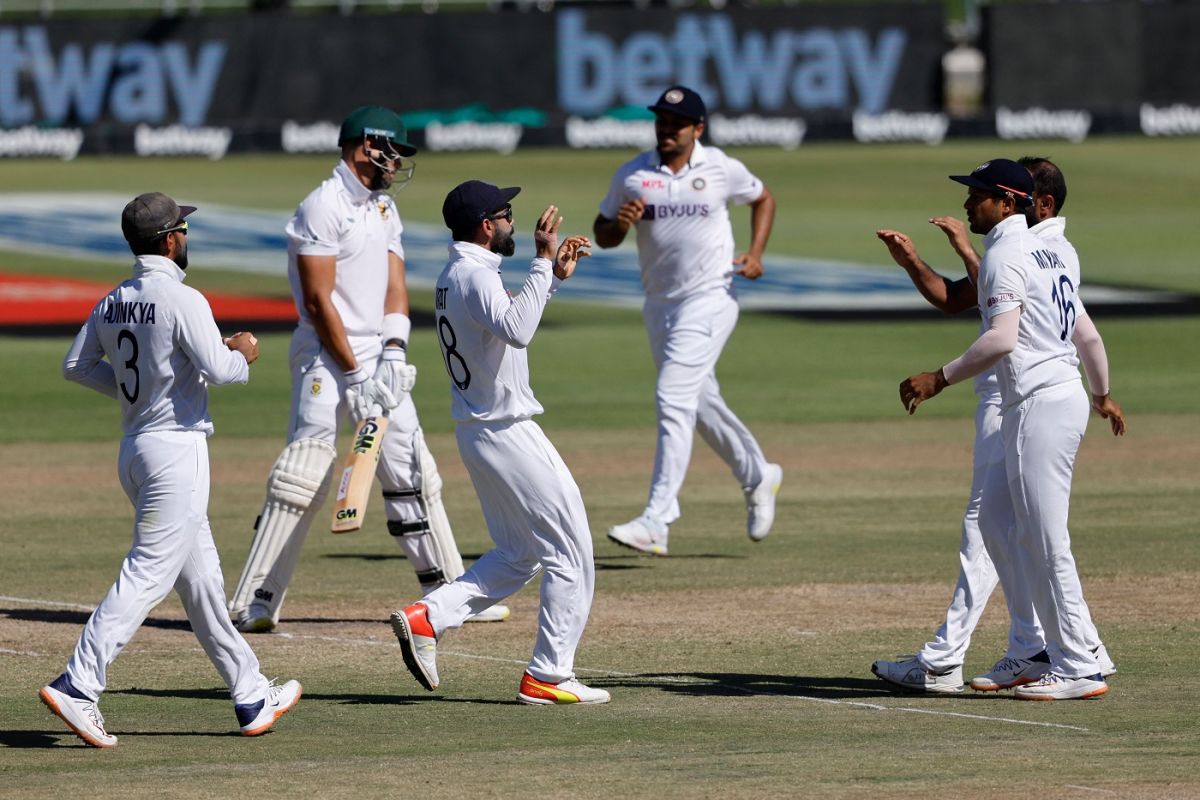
<point>125,312</point>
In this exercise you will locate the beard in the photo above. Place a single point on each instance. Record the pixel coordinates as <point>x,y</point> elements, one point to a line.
<point>502,242</point>
<point>382,179</point>
<point>181,259</point>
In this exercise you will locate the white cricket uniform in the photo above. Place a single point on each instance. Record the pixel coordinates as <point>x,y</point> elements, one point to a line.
<point>686,251</point>
<point>988,553</point>
<point>163,350</point>
<point>533,508</point>
<point>359,227</point>
<point>1044,415</point>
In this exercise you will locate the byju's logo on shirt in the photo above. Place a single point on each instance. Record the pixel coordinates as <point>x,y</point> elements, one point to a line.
<point>675,211</point>
<point>1003,297</point>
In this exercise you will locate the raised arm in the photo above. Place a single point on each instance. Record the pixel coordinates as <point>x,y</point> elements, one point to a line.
<point>951,297</point>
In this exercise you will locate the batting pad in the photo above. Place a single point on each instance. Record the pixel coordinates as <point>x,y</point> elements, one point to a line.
<point>296,488</point>
<point>440,535</point>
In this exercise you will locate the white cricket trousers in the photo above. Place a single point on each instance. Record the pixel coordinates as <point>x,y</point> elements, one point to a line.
<point>987,555</point>
<point>165,475</point>
<point>686,340</point>
<point>535,515</point>
<point>1041,436</point>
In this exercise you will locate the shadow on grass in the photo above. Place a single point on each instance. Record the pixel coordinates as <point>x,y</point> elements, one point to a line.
<point>79,618</point>
<point>732,684</point>
<point>343,699</point>
<point>45,739</point>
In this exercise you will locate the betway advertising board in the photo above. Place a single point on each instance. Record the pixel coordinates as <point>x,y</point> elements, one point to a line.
<point>208,85</point>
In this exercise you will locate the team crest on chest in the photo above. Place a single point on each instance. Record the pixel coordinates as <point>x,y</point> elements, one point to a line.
<point>698,184</point>
<point>315,388</point>
<point>383,209</point>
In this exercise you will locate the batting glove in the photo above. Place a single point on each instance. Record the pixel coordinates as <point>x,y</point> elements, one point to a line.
<point>364,394</point>
<point>398,376</point>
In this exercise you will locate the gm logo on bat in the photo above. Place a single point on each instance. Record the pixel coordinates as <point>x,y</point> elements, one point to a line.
<point>346,513</point>
<point>366,436</point>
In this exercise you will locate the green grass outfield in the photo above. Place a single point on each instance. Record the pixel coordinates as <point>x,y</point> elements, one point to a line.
<point>737,670</point>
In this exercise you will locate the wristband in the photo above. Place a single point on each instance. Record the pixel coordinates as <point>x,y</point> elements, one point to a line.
<point>396,327</point>
<point>356,376</point>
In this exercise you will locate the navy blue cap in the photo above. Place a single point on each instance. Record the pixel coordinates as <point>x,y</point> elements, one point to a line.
<point>468,203</point>
<point>1001,176</point>
<point>682,101</point>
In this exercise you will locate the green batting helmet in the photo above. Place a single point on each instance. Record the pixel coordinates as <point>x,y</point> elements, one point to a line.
<point>376,122</point>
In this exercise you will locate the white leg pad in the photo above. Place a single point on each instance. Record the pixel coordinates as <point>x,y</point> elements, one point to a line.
<point>296,488</point>
<point>440,534</point>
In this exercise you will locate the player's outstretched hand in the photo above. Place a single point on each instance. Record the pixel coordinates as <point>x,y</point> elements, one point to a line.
<point>920,387</point>
<point>245,343</point>
<point>1111,410</point>
<point>956,231</point>
<point>569,253</point>
<point>545,236</point>
<point>750,266</point>
<point>900,246</point>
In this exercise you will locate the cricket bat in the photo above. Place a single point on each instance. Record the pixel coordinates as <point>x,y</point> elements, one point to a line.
<point>358,475</point>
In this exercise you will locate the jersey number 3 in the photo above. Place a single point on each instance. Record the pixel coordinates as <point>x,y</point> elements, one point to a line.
<point>1061,292</point>
<point>453,357</point>
<point>130,364</point>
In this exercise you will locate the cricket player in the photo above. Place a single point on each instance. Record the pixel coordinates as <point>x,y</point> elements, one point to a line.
<point>1036,332</point>
<point>348,356</point>
<point>676,195</point>
<point>532,506</point>
<point>986,553</point>
<point>163,350</point>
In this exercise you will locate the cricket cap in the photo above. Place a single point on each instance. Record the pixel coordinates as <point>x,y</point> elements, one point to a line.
<point>468,203</point>
<point>1001,176</point>
<point>682,101</point>
<point>148,216</point>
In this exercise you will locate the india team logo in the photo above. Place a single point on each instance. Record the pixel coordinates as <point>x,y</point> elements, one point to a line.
<point>674,96</point>
<point>699,184</point>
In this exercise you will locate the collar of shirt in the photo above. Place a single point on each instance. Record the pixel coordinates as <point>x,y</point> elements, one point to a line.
<point>476,254</point>
<point>698,157</point>
<point>1013,223</point>
<point>358,193</point>
<point>1050,226</point>
<point>144,265</point>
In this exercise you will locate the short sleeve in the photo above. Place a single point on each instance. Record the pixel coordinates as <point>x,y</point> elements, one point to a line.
<point>395,243</point>
<point>744,186</point>
<point>1004,288</point>
<point>316,229</point>
<point>612,202</point>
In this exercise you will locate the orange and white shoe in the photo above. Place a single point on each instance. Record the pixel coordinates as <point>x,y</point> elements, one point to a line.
<point>82,715</point>
<point>1056,687</point>
<point>418,643</point>
<point>256,719</point>
<point>544,693</point>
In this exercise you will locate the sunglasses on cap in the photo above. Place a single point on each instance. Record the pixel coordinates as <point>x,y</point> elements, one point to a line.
<point>181,227</point>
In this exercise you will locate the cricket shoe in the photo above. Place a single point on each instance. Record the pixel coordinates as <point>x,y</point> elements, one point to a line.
<point>256,719</point>
<point>760,503</point>
<point>1009,672</point>
<point>912,675</point>
<point>1107,667</point>
<point>418,643</point>
<point>644,534</point>
<point>543,693</point>
<point>81,714</point>
<point>255,620</point>
<point>496,613</point>
<point>1055,687</point>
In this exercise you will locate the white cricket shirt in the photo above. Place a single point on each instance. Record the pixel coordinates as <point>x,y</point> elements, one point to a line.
<point>163,349</point>
<point>483,332</point>
<point>1020,269</point>
<point>343,218</point>
<point>685,242</point>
